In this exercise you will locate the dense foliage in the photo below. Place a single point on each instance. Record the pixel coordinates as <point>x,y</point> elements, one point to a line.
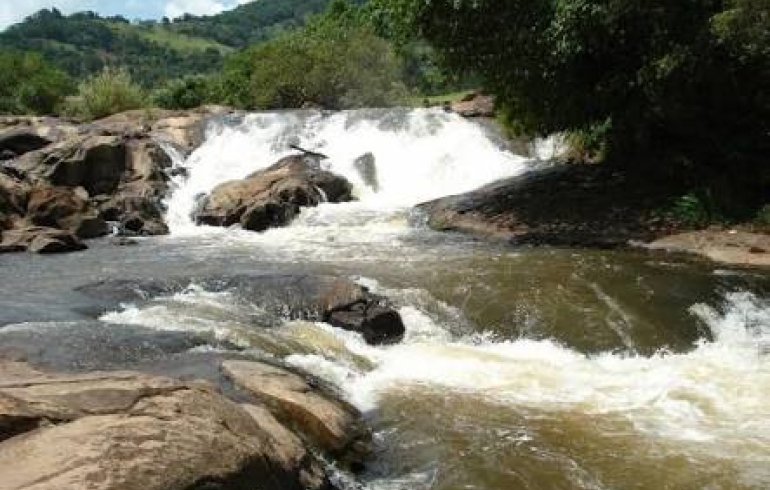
<point>251,23</point>
<point>335,62</point>
<point>30,85</point>
<point>679,84</point>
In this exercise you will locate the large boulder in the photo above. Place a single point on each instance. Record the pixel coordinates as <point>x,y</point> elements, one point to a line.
<point>40,240</point>
<point>564,205</point>
<point>274,196</point>
<point>331,424</point>
<point>66,209</point>
<point>116,431</point>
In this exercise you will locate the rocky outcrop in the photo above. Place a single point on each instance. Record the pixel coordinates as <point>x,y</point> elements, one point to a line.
<point>567,205</point>
<point>273,197</point>
<point>42,240</point>
<point>122,430</point>
<point>65,209</point>
<point>335,300</point>
<point>333,425</point>
<point>81,176</point>
<point>723,246</point>
<point>475,104</point>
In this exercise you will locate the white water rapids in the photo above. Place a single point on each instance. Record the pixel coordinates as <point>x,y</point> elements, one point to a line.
<point>712,402</point>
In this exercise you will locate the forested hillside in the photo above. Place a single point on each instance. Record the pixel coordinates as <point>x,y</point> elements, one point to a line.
<point>82,44</point>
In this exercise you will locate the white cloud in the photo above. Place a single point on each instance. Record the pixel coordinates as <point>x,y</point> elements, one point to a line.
<point>12,11</point>
<point>15,11</point>
<point>177,8</point>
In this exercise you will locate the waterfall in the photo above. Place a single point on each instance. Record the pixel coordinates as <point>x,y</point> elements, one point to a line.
<point>418,155</point>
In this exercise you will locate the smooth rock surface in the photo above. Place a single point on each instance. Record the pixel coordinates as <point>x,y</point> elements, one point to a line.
<point>273,197</point>
<point>126,431</point>
<point>335,426</point>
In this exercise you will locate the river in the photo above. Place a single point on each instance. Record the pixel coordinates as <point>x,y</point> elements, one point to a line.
<point>532,369</point>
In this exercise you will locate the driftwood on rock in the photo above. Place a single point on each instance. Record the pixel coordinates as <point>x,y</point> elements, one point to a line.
<point>308,153</point>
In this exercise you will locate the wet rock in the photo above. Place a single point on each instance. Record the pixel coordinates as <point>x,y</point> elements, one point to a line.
<point>274,196</point>
<point>40,240</point>
<point>281,297</point>
<point>122,430</point>
<point>378,325</point>
<point>366,165</point>
<point>66,209</point>
<point>333,425</point>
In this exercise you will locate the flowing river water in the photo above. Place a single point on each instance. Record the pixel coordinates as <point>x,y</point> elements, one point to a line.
<point>532,369</point>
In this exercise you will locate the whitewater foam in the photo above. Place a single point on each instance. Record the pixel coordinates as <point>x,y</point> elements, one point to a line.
<point>419,155</point>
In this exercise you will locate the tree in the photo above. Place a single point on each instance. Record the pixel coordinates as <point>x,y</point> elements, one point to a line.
<point>336,62</point>
<point>676,84</point>
<point>30,85</point>
<point>654,67</point>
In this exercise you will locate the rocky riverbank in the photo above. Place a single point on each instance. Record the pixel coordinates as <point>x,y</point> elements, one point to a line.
<point>63,182</point>
<point>83,418</point>
<point>588,206</point>
<point>121,430</point>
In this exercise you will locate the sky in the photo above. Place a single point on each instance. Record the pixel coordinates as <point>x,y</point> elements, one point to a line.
<point>12,11</point>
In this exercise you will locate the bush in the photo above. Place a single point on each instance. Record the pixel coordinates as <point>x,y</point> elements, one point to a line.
<point>186,93</point>
<point>30,85</point>
<point>109,92</point>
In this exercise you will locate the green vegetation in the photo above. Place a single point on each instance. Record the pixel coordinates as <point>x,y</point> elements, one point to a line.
<point>335,62</point>
<point>188,93</point>
<point>680,87</point>
<point>106,93</point>
<point>30,85</point>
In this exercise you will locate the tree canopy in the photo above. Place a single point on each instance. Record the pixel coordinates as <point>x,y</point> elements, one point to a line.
<point>689,77</point>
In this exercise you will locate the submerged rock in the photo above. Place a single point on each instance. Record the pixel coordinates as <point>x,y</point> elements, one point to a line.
<point>281,297</point>
<point>333,425</point>
<point>273,197</point>
<point>122,430</point>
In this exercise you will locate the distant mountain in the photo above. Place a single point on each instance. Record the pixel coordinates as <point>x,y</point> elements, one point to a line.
<point>83,43</point>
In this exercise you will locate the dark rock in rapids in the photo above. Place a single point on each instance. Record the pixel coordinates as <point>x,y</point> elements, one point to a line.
<point>338,301</point>
<point>274,196</point>
<point>124,430</point>
<point>366,166</point>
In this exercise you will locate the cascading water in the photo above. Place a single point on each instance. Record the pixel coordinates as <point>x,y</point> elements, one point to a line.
<point>418,155</point>
<point>527,370</point>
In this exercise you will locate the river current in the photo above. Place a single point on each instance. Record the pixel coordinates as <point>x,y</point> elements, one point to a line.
<point>532,369</point>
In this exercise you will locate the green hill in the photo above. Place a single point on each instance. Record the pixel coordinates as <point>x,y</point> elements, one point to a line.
<point>83,43</point>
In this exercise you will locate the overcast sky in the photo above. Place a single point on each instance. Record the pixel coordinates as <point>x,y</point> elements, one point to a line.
<point>12,11</point>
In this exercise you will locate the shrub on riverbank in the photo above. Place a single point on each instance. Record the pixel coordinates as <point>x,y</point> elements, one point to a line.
<point>107,93</point>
